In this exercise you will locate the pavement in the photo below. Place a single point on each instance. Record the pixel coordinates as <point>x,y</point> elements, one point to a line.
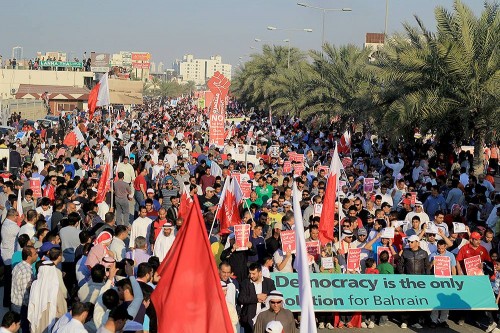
<point>392,328</point>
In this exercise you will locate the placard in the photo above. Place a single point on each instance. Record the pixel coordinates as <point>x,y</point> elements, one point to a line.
<point>324,167</point>
<point>413,198</point>
<point>246,189</point>
<point>473,265</point>
<point>298,168</point>
<point>381,249</point>
<point>442,267</point>
<point>36,186</point>
<point>346,162</point>
<point>387,232</point>
<point>388,292</point>
<point>287,167</point>
<point>313,251</point>
<point>318,208</point>
<point>354,259</point>
<point>327,262</point>
<point>369,185</point>
<point>242,236</point>
<point>459,227</point>
<point>288,241</point>
<point>274,151</point>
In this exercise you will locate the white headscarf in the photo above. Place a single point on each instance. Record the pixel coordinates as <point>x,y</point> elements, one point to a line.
<point>163,244</point>
<point>43,295</point>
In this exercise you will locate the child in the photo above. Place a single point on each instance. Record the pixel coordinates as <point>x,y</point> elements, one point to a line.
<point>385,267</point>
<point>268,263</point>
<point>371,267</point>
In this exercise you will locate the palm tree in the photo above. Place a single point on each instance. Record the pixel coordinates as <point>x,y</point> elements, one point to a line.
<point>343,83</point>
<point>447,82</point>
<point>252,83</point>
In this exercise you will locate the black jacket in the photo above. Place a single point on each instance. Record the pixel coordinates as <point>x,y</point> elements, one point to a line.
<point>414,262</point>
<point>238,261</point>
<point>248,298</point>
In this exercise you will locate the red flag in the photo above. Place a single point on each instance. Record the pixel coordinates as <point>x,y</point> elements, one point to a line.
<point>99,95</point>
<point>189,275</point>
<point>326,224</point>
<point>230,198</point>
<point>186,203</point>
<point>104,184</point>
<point>345,143</point>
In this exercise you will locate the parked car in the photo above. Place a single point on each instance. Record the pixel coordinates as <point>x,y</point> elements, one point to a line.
<point>53,119</point>
<point>5,130</point>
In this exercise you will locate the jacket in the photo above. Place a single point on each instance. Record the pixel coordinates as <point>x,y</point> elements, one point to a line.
<point>248,298</point>
<point>414,262</point>
<point>238,261</point>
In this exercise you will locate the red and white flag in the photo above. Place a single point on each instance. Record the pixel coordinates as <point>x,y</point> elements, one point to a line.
<point>99,95</point>
<point>104,182</point>
<point>186,203</point>
<point>75,137</point>
<point>345,143</point>
<point>230,199</point>
<point>326,222</point>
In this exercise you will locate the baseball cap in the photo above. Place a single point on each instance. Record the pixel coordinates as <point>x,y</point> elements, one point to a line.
<point>47,246</point>
<point>413,238</point>
<point>150,190</point>
<point>210,188</point>
<point>386,204</point>
<point>362,231</point>
<point>287,203</point>
<point>406,202</point>
<point>475,235</point>
<point>274,327</point>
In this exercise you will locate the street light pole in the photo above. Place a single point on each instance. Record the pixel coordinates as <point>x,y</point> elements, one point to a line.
<point>287,40</point>
<point>386,18</point>
<point>323,31</point>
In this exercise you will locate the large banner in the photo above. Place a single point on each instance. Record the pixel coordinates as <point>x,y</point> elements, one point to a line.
<point>219,86</point>
<point>360,292</point>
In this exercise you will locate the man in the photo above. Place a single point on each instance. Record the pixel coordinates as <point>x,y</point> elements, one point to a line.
<point>47,289</point>
<point>264,190</point>
<point>439,318</point>
<point>116,321</point>
<point>139,253</point>
<point>29,227</point>
<point>207,180</point>
<point>140,187</point>
<point>434,202</point>
<point>168,191</point>
<point>141,225</point>
<point>127,169</point>
<point>22,277</point>
<point>79,314</point>
<point>209,201</point>
<point>253,294</point>
<point>9,234</point>
<point>11,322</point>
<point>123,195</point>
<point>238,259</point>
<point>173,210</point>
<point>258,243</point>
<point>419,211</point>
<point>118,243</point>
<point>151,195</point>
<point>415,261</point>
<point>164,241</point>
<point>275,312</point>
<point>232,285</point>
<point>472,249</point>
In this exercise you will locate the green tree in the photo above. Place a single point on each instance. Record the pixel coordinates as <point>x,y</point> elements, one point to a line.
<point>447,82</point>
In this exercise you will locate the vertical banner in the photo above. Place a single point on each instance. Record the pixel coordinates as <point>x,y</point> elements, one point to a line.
<point>473,265</point>
<point>442,267</point>
<point>288,241</point>
<point>413,198</point>
<point>36,186</point>
<point>246,189</point>
<point>354,259</point>
<point>313,251</point>
<point>242,236</point>
<point>219,86</point>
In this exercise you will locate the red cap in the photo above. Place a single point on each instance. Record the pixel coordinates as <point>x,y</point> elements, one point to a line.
<point>406,202</point>
<point>475,235</point>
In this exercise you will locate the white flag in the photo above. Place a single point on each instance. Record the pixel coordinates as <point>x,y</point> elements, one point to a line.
<point>19,203</point>
<point>307,319</point>
<point>215,169</point>
<point>103,94</point>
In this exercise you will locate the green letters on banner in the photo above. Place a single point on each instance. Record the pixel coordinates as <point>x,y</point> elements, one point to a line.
<point>72,64</point>
<point>367,292</point>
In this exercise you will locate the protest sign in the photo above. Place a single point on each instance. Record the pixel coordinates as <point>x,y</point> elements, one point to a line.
<point>354,259</point>
<point>442,266</point>
<point>318,208</point>
<point>368,185</point>
<point>387,232</point>
<point>459,227</point>
<point>274,151</point>
<point>324,167</point>
<point>36,186</point>
<point>246,189</point>
<point>382,293</point>
<point>298,168</point>
<point>288,241</point>
<point>312,248</point>
<point>413,198</point>
<point>287,167</point>
<point>473,265</point>
<point>327,262</point>
<point>242,236</point>
<point>381,249</point>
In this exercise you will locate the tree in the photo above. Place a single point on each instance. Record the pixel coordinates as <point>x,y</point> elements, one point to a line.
<point>343,83</point>
<point>447,82</point>
<point>252,83</point>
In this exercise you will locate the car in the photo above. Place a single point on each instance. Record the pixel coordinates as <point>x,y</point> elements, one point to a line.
<point>30,123</point>
<point>45,123</point>
<point>5,130</point>
<point>53,119</point>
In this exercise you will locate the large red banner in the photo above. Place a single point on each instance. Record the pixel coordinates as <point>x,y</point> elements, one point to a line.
<point>219,86</point>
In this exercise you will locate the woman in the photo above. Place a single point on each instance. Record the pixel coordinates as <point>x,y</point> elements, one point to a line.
<point>100,249</point>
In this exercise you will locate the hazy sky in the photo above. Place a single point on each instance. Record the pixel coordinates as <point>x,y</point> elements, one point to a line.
<point>169,29</point>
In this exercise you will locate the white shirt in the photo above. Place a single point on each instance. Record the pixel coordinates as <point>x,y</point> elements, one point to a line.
<point>140,227</point>
<point>258,290</point>
<point>74,326</point>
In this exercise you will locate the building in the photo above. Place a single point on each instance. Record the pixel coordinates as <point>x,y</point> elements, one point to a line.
<point>160,68</point>
<point>201,70</point>
<point>136,63</point>
<point>374,41</point>
<point>152,68</point>
<point>17,52</point>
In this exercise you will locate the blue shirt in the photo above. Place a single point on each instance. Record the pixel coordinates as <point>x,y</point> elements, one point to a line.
<point>70,168</point>
<point>433,204</point>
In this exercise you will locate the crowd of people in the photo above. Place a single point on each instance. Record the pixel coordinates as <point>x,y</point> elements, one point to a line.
<point>74,262</point>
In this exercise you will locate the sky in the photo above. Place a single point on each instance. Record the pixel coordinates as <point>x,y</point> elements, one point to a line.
<point>168,29</point>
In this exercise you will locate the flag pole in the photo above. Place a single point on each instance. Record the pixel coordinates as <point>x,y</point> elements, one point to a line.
<point>112,163</point>
<point>213,222</point>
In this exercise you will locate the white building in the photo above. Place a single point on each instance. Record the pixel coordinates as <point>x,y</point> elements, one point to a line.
<point>201,70</point>
<point>374,41</point>
<point>17,52</point>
